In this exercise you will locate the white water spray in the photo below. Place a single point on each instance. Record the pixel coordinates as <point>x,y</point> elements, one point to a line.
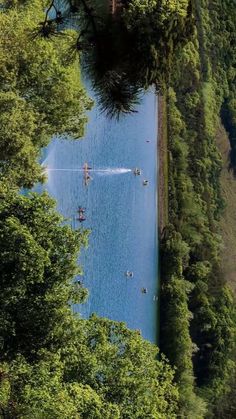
<point>108,171</point>
<point>112,171</point>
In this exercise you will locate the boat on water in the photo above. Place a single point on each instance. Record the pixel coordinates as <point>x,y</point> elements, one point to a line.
<point>81,212</point>
<point>87,177</point>
<point>144,290</point>
<point>145,183</point>
<point>129,274</point>
<point>137,171</point>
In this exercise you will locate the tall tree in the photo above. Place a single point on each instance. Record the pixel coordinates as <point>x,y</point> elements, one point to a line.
<point>126,50</point>
<point>39,83</point>
<point>52,363</point>
<point>101,370</point>
<point>38,264</point>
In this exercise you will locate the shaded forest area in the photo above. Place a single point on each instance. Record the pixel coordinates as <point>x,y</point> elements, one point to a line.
<point>54,364</point>
<point>198,317</point>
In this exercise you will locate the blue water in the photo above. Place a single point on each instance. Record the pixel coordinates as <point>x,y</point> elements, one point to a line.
<point>120,211</point>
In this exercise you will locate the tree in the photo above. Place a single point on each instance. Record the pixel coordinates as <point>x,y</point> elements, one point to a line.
<point>39,83</point>
<point>39,262</point>
<point>156,28</point>
<point>122,368</point>
<point>18,138</point>
<point>105,370</point>
<point>54,364</point>
<point>126,51</point>
<point>39,391</point>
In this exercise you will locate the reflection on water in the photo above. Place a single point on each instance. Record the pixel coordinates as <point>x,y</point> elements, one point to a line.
<point>120,212</point>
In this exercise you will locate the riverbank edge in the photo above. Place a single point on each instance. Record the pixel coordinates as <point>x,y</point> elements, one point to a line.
<point>162,150</point>
<point>162,184</point>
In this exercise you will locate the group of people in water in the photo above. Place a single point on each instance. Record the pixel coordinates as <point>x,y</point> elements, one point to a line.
<point>87,178</point>
<point>81,212</point>
<point>144,290</point>
<point>137,172</point>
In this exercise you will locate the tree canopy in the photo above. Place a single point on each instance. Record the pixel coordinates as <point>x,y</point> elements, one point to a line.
<point>125,51</point>
<point>53,363</point>
<point>102,370</point>
<point>40,92</point>
<point>196,299</point>
<point>38,263</point>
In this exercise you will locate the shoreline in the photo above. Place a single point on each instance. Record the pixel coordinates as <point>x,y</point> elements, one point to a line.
<point>162,151</point>
<point>162,187</point>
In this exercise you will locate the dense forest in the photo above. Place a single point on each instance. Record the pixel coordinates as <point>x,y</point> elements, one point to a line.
<point>198,316</point>
<point>53,364</point>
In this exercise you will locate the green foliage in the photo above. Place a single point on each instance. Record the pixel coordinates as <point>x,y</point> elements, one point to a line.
<point>196,301</point>
<point>214,326</point>
<point>18,136</point>
<point>98,368</point>
<point>141,32</point>
<point>156,28</point>
<point>38,263</point>
<point>122,368</point>
<point>39,83</point>
<point>175,321</point>
<point>52,363</point>
<point>40,391</point>
<point>219,22</point>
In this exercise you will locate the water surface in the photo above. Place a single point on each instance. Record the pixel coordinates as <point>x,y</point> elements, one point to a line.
<point>120,211</point>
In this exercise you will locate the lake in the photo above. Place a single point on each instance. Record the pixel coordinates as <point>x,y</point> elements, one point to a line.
<point>120,211</point>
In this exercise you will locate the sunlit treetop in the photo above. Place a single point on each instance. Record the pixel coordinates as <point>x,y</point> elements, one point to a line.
<point>39,83</point>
